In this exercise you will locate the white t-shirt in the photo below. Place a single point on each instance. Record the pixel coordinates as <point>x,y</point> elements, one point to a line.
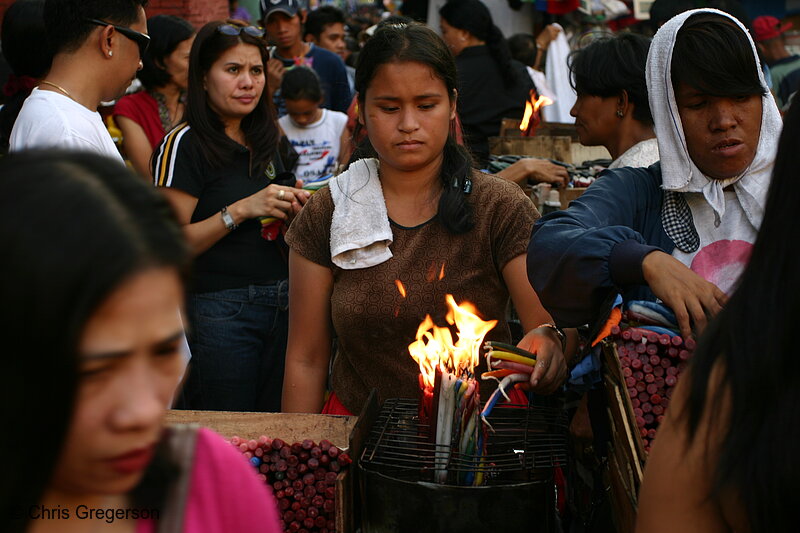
<point>725,245</point>
<point>317,144</point>
<point>49,119</point>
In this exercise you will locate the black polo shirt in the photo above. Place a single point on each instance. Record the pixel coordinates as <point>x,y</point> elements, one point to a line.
<point>242,257</point>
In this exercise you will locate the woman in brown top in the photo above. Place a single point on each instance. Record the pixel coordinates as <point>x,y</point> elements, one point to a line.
<point>454,231</point>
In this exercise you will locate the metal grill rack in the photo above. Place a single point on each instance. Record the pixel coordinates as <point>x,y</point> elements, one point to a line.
<point>527,443</point>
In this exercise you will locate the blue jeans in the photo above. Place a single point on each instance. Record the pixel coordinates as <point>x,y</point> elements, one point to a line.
<point>238,342</point>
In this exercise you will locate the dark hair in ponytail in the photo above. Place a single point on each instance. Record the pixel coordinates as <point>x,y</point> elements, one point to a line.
<point>474,17</point>
<point>396,43</point>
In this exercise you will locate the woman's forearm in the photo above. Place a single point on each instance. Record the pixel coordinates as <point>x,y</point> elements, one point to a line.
<point>303,385</point>
<point>204,234</point>
<point>308,351</point>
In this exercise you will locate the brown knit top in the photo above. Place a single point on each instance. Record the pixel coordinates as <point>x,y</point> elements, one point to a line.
<point>375,323</point>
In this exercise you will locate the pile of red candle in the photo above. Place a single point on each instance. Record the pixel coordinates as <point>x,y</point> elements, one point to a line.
<point>651,365</point>
<point>302,477</point>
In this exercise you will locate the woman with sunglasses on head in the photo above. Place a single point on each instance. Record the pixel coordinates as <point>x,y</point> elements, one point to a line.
<point>219,170</point>
<point>146,116</point>
<point>91,318</point>
<point>450,230</point>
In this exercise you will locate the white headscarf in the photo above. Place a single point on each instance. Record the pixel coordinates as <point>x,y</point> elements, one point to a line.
<point>679,173</point>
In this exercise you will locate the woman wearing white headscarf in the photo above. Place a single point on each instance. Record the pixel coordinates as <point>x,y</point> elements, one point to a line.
<point>681,230</point>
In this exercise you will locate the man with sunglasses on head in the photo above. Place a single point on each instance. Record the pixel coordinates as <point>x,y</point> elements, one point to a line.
<point>283,20</point>
<point>98,45</point>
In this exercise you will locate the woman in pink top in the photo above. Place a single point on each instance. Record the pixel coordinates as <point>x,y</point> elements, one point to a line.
<point>92,350</point>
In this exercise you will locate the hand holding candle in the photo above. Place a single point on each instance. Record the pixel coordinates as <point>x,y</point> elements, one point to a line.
<point>551,369</point>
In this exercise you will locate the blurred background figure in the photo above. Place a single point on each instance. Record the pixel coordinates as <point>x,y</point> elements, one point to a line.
<point>612,108</point>
<point>491,85</point>
<point>238,12</point>
<point>27,54</point>
<point>318,135</point>
<point>325,27</point>
<point>784,67</point>
<point>283,20</point>
<point>146,116</point>
<point>98,47</point>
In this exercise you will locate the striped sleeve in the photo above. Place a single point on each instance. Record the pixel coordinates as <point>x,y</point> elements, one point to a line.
<point>174,162</point>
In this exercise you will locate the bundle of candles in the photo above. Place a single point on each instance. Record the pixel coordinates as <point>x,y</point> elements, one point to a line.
<point>450,393</point>
<point>652,358</point>
<point>302,477</point>
<point>450,399</point>
<point>508,365</point>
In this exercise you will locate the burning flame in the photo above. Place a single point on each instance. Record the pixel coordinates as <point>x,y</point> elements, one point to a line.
<point>434,347</point>
<point>400,287</point>
<point>531,108</point>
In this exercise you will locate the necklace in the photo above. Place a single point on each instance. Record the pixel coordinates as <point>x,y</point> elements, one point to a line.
<point>167,121</point>
<point>60,88</point>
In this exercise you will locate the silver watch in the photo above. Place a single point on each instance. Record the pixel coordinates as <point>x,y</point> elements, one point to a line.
<point>228,219</point>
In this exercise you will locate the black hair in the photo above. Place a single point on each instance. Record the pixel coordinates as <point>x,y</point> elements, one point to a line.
<point>66,20</point>
<point>110,227</point>
<point>259,127</point>
<point>394,43</point>
<point>713,55</point>
<point>166,33</point>
<point>301,83</point>
<point>522,47</point>
<point>474,17</point>
<point>609,66</point>
<point>751,346</point>
<point>28,55</point>
<point>320,18</point>
<point>23,47</point>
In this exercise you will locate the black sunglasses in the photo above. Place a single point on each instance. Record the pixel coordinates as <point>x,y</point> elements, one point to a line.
<point>230,29</point>
<point>142,40</point>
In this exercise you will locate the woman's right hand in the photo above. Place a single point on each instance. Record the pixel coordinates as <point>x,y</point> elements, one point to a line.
<point>278,201</point>
<point>691,298</point>
<point>531,169</point>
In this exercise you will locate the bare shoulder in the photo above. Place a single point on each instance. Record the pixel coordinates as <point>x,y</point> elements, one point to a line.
<point>678,479</point>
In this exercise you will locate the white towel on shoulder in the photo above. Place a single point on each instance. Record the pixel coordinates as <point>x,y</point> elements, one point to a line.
<point>360,231</point>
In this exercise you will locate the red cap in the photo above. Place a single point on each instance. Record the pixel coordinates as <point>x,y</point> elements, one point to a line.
<point>766,28</point>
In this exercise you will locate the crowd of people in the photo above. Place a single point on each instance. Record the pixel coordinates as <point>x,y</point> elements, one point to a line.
<point>210,248</point>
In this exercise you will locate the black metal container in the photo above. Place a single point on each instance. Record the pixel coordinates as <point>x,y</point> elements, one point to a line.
<point>396,470</point>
